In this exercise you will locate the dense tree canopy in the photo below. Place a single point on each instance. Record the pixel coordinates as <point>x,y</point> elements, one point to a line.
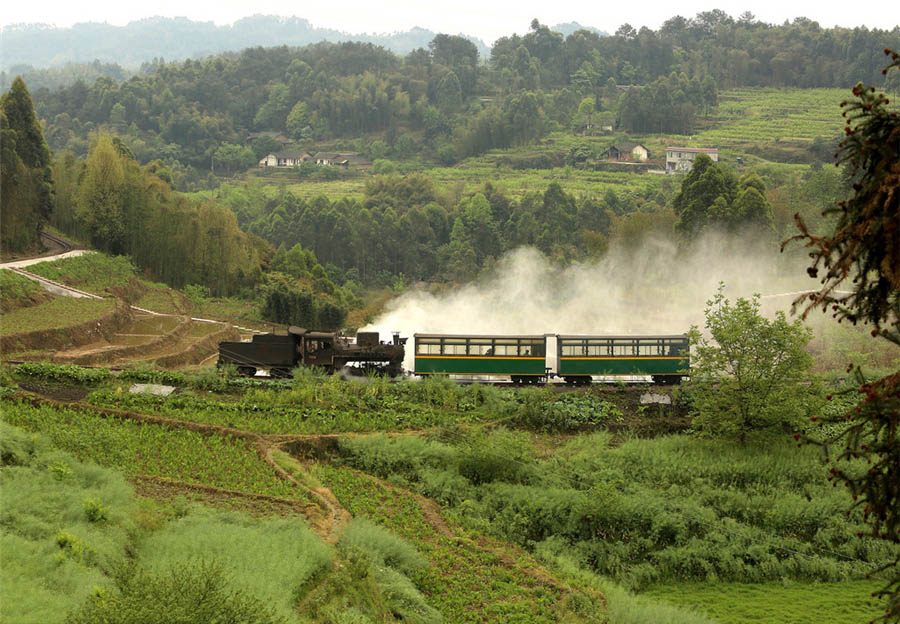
<point>712,197</point>
<point>123,208</point>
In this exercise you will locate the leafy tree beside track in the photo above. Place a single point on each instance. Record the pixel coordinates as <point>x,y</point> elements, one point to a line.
<point>747,377</point>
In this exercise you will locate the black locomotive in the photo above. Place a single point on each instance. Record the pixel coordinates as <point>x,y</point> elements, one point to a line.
<point>332,352</point>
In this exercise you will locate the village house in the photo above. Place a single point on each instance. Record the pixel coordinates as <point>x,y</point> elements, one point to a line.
<point>681,159</point>
<point>625,152</point>
<point>341,159</point>
<point>285,158</point>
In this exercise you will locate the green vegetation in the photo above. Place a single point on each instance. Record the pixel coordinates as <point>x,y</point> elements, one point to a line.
<point>847,602</point>
<point>863,246</point>
<point>62,373</point>
<point>599,512</point>
<point>145,449</point>
<point>46,316</point>
<point>26,186</point>
<point>465,582</point>
<point>123,208</point>
<point>17,291</point>
<point>647,512</point>
<point>275,556</point>
<point>751,373</point>
<point>80,548</point>
<point>96,273</point>
<point>53,552</point>
<point>711,197</point>
<point>186,593</point>
<point>763,118</point>
<point>321,405</point>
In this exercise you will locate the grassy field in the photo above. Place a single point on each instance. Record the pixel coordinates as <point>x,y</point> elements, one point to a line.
<point>95,273</point>
<point>17,291</point>
<point>60,312</point>
<point>152,450</point>
<point>848,602</point>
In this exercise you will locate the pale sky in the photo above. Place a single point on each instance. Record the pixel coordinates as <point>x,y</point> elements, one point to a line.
<point>487,20</point>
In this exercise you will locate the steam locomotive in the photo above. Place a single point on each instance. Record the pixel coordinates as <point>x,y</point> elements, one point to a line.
<point>523,359</point>
<point>279,354</point>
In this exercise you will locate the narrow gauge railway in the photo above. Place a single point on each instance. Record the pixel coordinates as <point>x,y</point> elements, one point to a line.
<point>535,359</point>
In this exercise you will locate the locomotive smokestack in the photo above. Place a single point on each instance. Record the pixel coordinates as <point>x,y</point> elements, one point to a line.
<point>396,336</point>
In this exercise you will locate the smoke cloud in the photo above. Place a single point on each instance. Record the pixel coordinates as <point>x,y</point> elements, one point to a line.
<point>656,289</point>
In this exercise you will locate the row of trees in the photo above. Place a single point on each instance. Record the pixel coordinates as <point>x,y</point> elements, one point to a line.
<point>403,225</point>
<point>26,185</point>
<point>123,208</point>
<point>669,105</point>
<point>742,52</point>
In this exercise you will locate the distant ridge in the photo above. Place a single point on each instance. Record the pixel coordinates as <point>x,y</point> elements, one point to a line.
<point>41,45</point>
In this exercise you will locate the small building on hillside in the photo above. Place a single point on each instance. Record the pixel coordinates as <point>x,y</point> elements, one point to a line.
<point>625,152</point>
<point>681,159</point>
<point>341,159</point>
<point>285,158</point>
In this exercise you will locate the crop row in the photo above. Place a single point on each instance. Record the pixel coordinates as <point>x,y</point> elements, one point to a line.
<point>47,315</point>
<point>153,450</point>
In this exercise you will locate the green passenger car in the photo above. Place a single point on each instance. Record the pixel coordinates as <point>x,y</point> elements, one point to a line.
<point>665,358</point>
<point>521,358</point>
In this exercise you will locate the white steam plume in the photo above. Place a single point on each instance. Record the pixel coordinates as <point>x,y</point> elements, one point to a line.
<point>657,289</point>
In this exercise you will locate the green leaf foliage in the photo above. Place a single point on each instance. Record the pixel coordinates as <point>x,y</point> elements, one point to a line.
<point>747,371</point>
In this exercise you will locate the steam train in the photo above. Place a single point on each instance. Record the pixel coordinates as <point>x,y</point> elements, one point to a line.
<point>523,359</point>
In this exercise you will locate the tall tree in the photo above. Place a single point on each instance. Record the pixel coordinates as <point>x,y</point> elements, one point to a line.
<point>32,207</point>
<point>19,220</point>
<point>102,196</point>
<point>864,248</point>
<point>705,183</point>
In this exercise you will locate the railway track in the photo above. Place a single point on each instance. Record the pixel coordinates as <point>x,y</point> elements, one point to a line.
<point>61,243</point>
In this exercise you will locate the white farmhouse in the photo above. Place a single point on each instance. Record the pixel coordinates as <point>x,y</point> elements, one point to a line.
<point>681,159</point>
<point>285,158</point>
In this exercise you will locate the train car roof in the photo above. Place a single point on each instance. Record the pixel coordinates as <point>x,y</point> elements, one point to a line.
<point>622,337</point>
<point>482,336</point>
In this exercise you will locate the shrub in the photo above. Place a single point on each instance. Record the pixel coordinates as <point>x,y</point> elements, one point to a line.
<point>501,456</point>
<point>63,373</point>
<point>567,412</point>
<point>188,593</point>
<point>383,547</point>
<point>95,511</point>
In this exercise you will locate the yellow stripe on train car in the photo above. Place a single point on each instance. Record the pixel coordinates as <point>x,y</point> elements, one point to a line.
<point>480,357</point>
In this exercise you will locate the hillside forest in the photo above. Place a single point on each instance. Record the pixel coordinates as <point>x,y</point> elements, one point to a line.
<point>185,126</point>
